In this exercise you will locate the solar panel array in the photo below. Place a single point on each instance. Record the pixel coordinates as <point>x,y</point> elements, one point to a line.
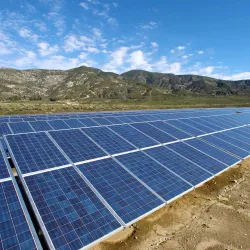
<point>89,175</point>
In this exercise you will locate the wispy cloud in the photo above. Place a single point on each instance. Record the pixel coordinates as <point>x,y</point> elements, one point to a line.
<point>27,33</point>
<point>46,49</point>
<point>84,5</point>
<point>149,26</point>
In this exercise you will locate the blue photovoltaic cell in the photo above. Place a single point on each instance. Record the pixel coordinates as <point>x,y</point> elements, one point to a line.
<point>179,165</point>
<point>233,141</point>
<point>3,168</point>
<point>125,119</point>
<point>242,132</point>
<point>236,135</point>
<point>154,133</point>
<point>135,118</point>
<point>72,214</point>
<point>14,229</point>
<point>134,136</point>
<point>213,125</point>
<point>214,152</point>
<point>77,145</point>
<point>15,119</point>
<point>198,125</point>
<point>4,120</point>
<point>21,127</point>
<point>126,195</point>
<point>226,146</point>
<point>158,178</point>
<point>170,130</point>
<point>229,120</point>
<point>41,126</point>
<point>108,140</point>
<point>58,124</point>
<point>88,122</point>
<point>4,129</point>
<point>35,151</point>
<point>74,123</point>
<point>101,121</point>
<point>114,120</point>
<point>29,119</point>
<point>180,125</point>
<point>203,160</point>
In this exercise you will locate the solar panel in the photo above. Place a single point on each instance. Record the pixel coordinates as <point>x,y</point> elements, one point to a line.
<point>4,129</point>
<point>179,165</point>
<point>34,152</point>
<point>114,120</point>
<point>226,146</point>
<point>72,214</point>
<point>21,127</point>
<point>170,130</point>
<point>198,125</point>
<point>125,119</point>
<point>135,118</point>
<point>236,135</point>
<point>77,146</point>
<point>203,160</point>
<point>134,136</point>
<point>217,121</point>
<point>101,121</point>
<point>234,141</point>
<point>154,133</point>
<point>185,127</point>
<point>108,140</point>
<point>58,124</point>
<point>213,151</point>
<point>212,124</point>
<point>14,229</point>
<point>158,178</point>
<point>88,122</point>
<point>40,126</point>
<point>74,123</point>
<point>126,195</point>
<point>12,119</point>
<point>3,168</point>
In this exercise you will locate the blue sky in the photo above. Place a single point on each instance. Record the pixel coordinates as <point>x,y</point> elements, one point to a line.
<point>208,37</point>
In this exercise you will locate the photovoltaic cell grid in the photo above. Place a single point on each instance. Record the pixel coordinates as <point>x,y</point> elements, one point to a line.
<point>108,140</point>
<point>77,146</point>
<point>134,136</point>
<point>179,165</point>
<point>213,151</point>
<point>14,229</point>
<point>154,133</point>
<point>35,152</point>
<point>58,124</point>
<point>208,163</point>
<point>72,214</point>
<point>158,178</point>
<point>226,146</point>
<point>3,168</point>
<point>4,129</point>
<point>20,127</point>
<point>41,126</point>
<point>127,196</point>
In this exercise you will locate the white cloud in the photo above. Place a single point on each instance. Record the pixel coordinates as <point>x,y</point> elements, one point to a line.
<point>45,49</point>
<point>151,25</point>
<point>40,25</point>
<point>180,48</point>
<point>163,66</point>
<point>97,33</point>
<point>27,33</point>
<point>187,56</point>
<point>200,52</point>
<point>154,44</point>
<point>84,5</point>
<point>236,77</point>
<point>172,51</point>
<point>112,21</point>
<point>138,60</point>
<point>115,4</point>
<point>4,50</point>
<point>116,59</point>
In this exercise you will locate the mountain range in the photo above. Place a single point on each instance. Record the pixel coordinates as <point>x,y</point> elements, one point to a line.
<point>90,83</point>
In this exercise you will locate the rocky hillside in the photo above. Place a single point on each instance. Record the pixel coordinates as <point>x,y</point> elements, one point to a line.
<point>190,83</point>
<point>82,82</point>
<point>91,83</point>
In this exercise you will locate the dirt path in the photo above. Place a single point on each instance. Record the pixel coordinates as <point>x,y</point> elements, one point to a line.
<point>215,216</point>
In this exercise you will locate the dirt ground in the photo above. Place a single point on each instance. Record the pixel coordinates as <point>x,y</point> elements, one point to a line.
<point>216,216</point>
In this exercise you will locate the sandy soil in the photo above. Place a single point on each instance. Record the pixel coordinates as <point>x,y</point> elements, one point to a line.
<point>216,216</point>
